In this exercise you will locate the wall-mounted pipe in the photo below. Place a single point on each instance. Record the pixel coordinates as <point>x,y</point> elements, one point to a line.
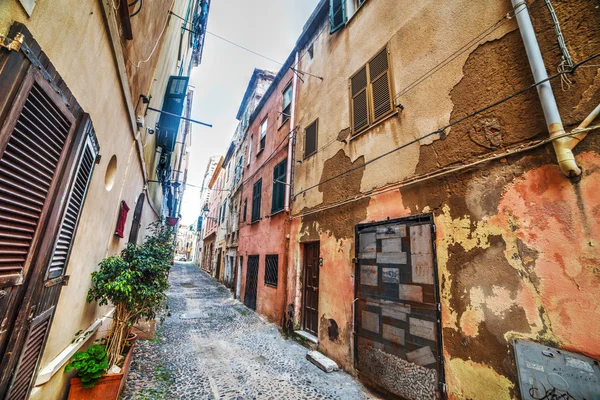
<point>563,146</point>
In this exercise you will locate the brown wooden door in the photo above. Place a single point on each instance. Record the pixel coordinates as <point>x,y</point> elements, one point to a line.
<point>45,166</point>
<point>398,344</point>
<point>311,288</point>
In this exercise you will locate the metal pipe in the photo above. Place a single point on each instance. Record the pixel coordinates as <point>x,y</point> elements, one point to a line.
<point>564,154</point>
<point>288,173</point>
<point>178,116</point>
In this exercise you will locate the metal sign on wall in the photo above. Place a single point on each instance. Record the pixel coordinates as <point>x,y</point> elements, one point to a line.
<point>548,373</point>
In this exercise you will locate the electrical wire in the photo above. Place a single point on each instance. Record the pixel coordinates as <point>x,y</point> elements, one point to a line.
<point>449,125</point>
<point>137,65</point>
<point>475,41</point>
<point>444,171</point>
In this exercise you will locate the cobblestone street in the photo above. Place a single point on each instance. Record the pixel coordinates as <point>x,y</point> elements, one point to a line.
<point>225,351</point>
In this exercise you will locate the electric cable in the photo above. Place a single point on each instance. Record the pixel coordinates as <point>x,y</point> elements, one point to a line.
<point>475,41</point>
<point>442,130</point>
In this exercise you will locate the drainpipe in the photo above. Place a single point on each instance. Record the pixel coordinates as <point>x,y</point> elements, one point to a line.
<point>288,174</point>
<point>562,146</point>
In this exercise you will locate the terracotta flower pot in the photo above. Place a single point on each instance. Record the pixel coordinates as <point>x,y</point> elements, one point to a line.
<point>108,387</point>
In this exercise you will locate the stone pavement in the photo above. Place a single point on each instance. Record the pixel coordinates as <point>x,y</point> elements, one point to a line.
<point>222,350</point>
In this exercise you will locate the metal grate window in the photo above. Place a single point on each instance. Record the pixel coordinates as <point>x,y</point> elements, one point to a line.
<point>271,269</point>
<point>310,140</point>
<point>371,91</point>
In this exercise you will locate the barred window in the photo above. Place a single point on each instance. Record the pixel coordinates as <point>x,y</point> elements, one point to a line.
<point>271,269</point>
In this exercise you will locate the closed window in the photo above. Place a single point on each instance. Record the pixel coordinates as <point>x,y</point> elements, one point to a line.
<point>310,139</point>
<point>371,92</point>
<point>279,173</point>
<point>287,103</point>
<point>271,269</point>
<point>256,194</point>
<point>263,134</point>
<point>250,150</point>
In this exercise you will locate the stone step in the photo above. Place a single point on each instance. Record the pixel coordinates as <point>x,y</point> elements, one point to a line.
<point>326,364</point>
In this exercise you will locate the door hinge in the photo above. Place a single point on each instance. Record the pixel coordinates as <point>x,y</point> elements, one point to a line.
<point>12,44</point>
<point>63,279</point>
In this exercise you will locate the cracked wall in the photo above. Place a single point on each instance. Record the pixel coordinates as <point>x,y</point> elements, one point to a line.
<point>517,243</point>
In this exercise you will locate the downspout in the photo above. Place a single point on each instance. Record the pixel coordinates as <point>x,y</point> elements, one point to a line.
<point>288,173</point>
<point>562,146</point>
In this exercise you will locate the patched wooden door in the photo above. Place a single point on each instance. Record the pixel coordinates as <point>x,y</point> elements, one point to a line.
<point>251,282</point>
<point>311,288</point>
<point>46,159</point>
<point>398,344</point>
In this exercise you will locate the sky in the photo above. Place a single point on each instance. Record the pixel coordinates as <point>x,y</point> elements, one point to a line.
<point>268,27</point>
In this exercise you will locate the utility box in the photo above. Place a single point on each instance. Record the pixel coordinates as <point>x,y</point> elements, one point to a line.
<point>549,373</point>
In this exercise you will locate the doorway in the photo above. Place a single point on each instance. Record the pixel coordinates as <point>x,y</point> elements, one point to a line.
<point>251,282</point>
<point>398,328</point>
<point>311,288</point>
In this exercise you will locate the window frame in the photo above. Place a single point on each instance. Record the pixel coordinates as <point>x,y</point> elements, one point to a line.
<point>371,120</point>
<point>287,115</point>
<point>282,165</point>
<point>335,28</point>
<point>256,204</point>
<point>263,135</point>
<point>316,123</point>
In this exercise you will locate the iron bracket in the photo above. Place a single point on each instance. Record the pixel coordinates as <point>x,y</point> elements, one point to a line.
<point>12,44</point>
<point>62,280</point>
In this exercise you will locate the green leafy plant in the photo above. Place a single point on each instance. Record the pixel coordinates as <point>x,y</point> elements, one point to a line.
<point>90,364</point>
<point>135,282</point>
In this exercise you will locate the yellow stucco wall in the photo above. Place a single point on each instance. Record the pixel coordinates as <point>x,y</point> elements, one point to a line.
<point>75,37</point>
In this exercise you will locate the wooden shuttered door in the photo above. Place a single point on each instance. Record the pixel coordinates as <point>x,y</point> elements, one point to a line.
<point>371,91</point>
<point>40,152</point>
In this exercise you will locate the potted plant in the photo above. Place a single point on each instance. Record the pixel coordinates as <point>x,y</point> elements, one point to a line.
<point>135,283</point>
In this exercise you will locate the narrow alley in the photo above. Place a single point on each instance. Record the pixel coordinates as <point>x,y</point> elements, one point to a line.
<point>213,347</point>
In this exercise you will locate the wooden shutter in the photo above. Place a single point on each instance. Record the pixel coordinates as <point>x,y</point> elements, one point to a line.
<point>360,110</point>
<point>337,14</point>
<point>27,169</point>
<point>137,217</point>
<point>70,220</point>
<point>256,200</point>
<point>310,140</point>
<point>278,200</point>
<point>380,85</point>
<point>36,338</point>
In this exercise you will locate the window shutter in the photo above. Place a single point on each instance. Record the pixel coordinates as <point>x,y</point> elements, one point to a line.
<point>137,216</point>
<point>75,201</point>
<point>310,141</point>
<point>36,338</point>
<point>256,195</point>
<point>380,85</point>
<point>360,113</point>
<point>337,14</point>
<point>279,173</point>
<point>27,169</point>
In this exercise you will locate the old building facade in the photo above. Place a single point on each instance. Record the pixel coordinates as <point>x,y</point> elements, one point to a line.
<point>77,152</point>
<point>441,227</point>
<point>438,210</point>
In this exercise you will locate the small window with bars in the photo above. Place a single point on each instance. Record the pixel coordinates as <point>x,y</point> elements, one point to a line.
<point>371,93</point>
<point>271,269</point>
<point>310,139</point>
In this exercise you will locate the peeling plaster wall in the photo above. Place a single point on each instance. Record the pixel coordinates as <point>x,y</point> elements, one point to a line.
<point>517,242</point>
